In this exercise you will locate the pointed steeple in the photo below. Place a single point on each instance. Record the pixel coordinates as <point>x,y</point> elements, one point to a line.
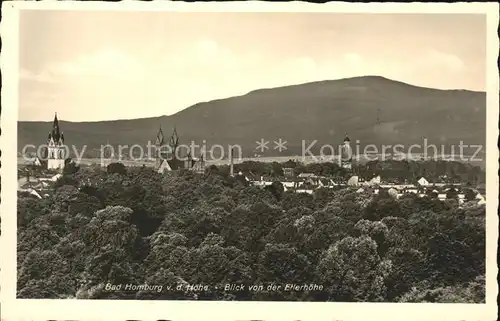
<point>347,139</point>
<point>174,140</point>
<point>160,138</point>
<point>56,133</point>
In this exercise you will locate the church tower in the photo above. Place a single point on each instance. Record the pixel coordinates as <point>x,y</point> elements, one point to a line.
<point>346,156</point>
<point>159,144</point>
<point>55,147</point>
<point>174,144</point>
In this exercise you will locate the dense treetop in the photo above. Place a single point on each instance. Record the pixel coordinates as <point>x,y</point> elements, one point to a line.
<point>134,226</point>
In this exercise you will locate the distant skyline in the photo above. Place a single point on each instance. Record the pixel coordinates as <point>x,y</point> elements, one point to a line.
<point>103,65</point>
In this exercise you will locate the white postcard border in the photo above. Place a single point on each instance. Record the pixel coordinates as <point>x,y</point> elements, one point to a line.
<point>16,309</point>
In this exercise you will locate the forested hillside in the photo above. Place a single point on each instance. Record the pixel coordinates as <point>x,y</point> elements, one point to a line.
<point>373,110</point>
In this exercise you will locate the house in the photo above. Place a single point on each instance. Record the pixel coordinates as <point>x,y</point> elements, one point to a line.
<point>324,182</point>
<point>480,199</point>
<point>375,180</point>
<point>288,184</point>
<point>164,166</point>
<point>56,177</point>
<point>309,178</point>
<point>288,172</point>
<point>353,181</point>
<point>37,162</point>
<point>307,175</point>
<point>392,192</point>
<point>29,191</point>
<point>423,182</point>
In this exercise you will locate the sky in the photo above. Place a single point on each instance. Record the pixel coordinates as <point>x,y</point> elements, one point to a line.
<point>104,65</point>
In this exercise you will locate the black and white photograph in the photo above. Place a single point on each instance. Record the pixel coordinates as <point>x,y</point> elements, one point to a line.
<point>271,156</point>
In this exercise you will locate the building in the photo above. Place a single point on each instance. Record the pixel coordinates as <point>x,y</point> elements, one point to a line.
<point>170,158</point>
<point>56,151</point>
<point>375,181</point>
<point>346,153</point>
<point>310,179</point>
<point>288,172</point>
<point>231,163</point>
<point>423,182</point>
<point>307,175</point>
<point>159,145</point>
<point>353,181</point>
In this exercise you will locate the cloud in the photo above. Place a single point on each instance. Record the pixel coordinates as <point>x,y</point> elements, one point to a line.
<point>434,58</point>
<point>44,76</point>
<point>106,62</point>
<point>207,50</point>
<point>103,63</point>
<point>116,82</point>
<point>353,58</point>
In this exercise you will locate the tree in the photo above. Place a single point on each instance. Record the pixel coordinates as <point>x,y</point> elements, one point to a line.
<point>246,226</point>
<point>473,292</point>
<point>65,180</point>
<point>29,208</point>
<point>328,230</point>
<point>469,195</point>
<point>357,277</point>
<point>70,167</point>
<point>407,271</point>
<point>377,231</point>
<point>212,169</point>
<point>282,264</point>
<point>184,228</point>
<point>277,189</point>
<point>276,169</point>
<point>117,168</point>
<point>84,204</point>
<point>452,193</point>
<point>456,254</point>
<point>110,265</point>
<point>382,207</point>
<point>63,196</point>
<point>46,274</point>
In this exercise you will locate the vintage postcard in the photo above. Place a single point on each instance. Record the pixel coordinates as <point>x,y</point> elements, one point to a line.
<point>249,160</point>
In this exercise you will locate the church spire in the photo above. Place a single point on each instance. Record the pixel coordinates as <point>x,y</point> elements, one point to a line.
<point>56,133</point>
<point>174,140</point>
<point>160,138</point>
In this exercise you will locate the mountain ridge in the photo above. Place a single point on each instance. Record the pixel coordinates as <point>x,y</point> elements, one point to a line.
<point>372,109</point>
<point>261,90</point>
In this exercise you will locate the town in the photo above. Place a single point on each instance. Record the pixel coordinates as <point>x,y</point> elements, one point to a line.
<point>299,228</point>
<point>38,177</point>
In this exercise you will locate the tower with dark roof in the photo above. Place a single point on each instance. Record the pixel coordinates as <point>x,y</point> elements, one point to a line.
<point>167,154</point>
<point>169,158</point>
<point>174,140</point>
<point>56,152</point>
<point>159,144</point>
<point>176,160</point>
<point>346,155</point>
